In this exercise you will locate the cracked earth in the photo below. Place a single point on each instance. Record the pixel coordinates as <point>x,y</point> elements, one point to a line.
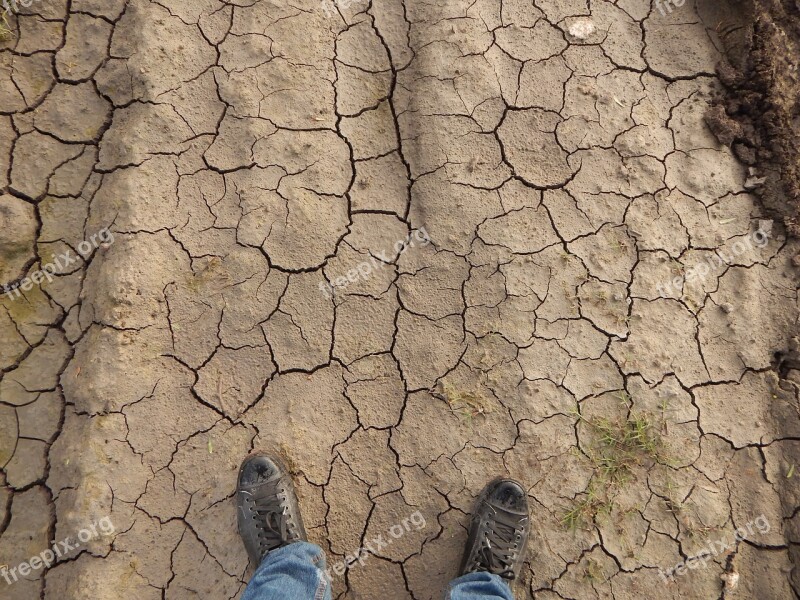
<point>245,153</point>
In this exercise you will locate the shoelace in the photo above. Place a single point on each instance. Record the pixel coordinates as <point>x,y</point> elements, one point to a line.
<point>501,544</point>
<point>274,523</point>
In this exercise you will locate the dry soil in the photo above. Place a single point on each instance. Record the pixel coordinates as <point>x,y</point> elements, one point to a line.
<point>604,311</point>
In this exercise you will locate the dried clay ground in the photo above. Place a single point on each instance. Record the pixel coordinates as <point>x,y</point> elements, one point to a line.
<point>246,153</point>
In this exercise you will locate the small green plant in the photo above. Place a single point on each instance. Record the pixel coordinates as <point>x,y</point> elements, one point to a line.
<point>619,246</point>
<point>467,405</point>
<point>592,504</point>
<point>594,571</point>
<point>624,397</point>
<point>673,502</point>
<point>664,406</point>
<point>618,447</point>
<point>620,319</point>
<point>6,33</point>
<point>208,273</point>
<point>621,445</point>
<point>625,358</point>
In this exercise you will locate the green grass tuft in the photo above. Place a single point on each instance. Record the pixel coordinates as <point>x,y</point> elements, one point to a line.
<point>619,447</point>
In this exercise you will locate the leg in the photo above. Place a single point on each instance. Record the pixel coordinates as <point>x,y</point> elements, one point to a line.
<point>495,549</point>
<point>295,571</point>
<point>273,534</point>
<point>480,585</point>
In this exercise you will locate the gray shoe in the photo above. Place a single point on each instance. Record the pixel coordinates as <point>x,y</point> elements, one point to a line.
<point>269,516</point>
<point>499,531</point>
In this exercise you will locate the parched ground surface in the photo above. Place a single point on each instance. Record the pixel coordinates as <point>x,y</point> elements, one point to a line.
<point>759,114</point>
<point>246,154</point>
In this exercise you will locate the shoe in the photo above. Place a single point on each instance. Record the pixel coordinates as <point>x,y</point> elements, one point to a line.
<point>269,515</point>
<point>499,531</point>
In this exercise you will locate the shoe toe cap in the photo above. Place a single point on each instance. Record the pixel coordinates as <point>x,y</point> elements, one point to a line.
<point>258,469</point>
<point>510,495</point>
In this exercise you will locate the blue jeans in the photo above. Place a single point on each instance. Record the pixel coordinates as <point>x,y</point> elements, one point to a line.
<point>297,572</point>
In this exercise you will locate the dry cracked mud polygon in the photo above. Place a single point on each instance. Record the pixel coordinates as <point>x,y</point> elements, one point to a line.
<point>247,156</point>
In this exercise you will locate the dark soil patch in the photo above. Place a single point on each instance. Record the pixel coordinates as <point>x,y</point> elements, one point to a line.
<point>760,116</point>
<point>760,119</point>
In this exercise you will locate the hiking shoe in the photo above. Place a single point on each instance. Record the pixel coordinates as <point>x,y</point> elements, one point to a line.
<point>269,516</point>
<point>499,531</point>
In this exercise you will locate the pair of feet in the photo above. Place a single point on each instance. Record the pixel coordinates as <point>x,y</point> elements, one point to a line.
<point>269,518</point>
